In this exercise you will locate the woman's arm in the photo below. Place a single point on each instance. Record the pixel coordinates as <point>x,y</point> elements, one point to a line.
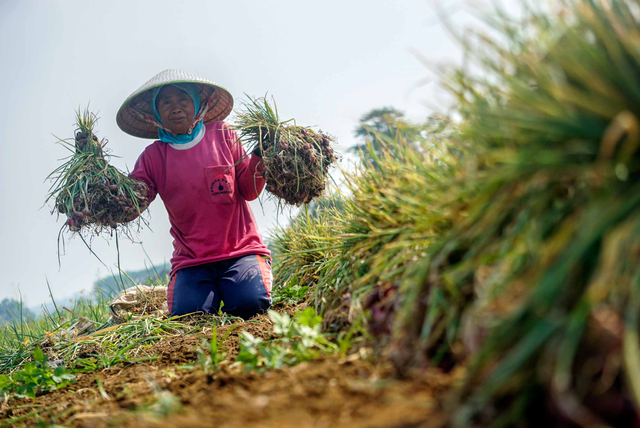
<point>248,168</point>
<point>143,172</point>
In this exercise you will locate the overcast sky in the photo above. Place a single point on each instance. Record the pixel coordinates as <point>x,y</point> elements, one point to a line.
<point>326,63</point>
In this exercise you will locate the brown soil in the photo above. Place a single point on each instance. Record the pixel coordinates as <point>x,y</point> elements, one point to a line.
<point>348,392</point>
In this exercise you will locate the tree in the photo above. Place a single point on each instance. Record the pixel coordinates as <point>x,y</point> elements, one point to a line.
<point>378,120</point>
<point>380,124</point>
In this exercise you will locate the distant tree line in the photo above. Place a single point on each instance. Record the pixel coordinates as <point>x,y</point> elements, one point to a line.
<point>113,284</point>
<point>11,309</point>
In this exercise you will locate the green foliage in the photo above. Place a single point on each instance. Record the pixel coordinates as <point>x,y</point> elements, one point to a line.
<point>212,353</point>
<point>19,338</point>
<point>113,353</point>
<point>520,225</point>
<point>299,339</point>
<point>291,292</point>
<point>543,253</point>
<point>392,210</point>
<point>36,377</point>
<point>380,125</point>
<point>357,334</point>
<point>165,404</point>
<point>380,121</point>
<point>304,251</point>
<point>22,336</point>
<point>126,343</point>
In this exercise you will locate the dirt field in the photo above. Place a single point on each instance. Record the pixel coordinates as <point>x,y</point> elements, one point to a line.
<point>348,392</point>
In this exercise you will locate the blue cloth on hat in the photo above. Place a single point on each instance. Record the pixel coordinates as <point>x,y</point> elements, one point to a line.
<point>163,135</point>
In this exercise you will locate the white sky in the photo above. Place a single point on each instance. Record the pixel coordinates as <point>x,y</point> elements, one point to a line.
<point>326,63</point>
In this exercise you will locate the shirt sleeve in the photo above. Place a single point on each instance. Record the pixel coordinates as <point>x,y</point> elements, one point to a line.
<point>248,168</point>
<point>143,171</point>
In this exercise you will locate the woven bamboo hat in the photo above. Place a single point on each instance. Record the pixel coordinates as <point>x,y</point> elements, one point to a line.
<point>135,117</point>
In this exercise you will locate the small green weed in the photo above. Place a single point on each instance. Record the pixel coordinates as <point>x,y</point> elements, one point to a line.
<point>292,292</point>
<point>357,335</point>
<point>112,355</point>
<point>36,377</point>
<point>299,339</point>
<point>212,353</point>
<point>165,404</point>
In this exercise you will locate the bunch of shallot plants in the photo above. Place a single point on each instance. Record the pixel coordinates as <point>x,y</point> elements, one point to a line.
<point>94,196</point>
<point>296,159</point>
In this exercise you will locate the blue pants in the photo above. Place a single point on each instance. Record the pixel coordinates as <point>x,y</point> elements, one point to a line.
<point>243,284</point>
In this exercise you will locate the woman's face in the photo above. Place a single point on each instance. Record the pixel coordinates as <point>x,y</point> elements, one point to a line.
<point>176,109</point>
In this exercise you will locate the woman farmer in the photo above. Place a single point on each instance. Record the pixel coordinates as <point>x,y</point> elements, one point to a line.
<point>201,172</point>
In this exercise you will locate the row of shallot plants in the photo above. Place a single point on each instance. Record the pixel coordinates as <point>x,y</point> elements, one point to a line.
<point>547,248</point>
<point>80,337</point>
<point>385,216</point>
<point>305,248</point>
<point>515,249</point>
<point>87,313</point>
<point>20,337</point>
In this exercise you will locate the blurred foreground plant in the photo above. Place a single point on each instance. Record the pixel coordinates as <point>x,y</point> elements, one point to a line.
<point>512,243</point>
<point>298,340</point>
<point>541,272</point>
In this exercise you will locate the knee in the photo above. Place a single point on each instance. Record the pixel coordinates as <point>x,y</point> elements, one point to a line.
<point>249,307</point>
<point>181,307</point>
<point>183,304</point>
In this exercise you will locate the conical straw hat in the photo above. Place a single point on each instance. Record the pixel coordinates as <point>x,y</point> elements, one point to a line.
<point>139,103</point>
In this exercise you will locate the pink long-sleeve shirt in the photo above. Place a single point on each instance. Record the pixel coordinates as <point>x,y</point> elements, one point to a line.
<point>205,188</point>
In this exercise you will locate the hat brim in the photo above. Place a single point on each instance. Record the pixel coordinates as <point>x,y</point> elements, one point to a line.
<point>129,121</point>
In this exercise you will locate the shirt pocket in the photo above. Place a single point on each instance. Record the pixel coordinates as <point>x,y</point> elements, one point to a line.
<point>220,183</point>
